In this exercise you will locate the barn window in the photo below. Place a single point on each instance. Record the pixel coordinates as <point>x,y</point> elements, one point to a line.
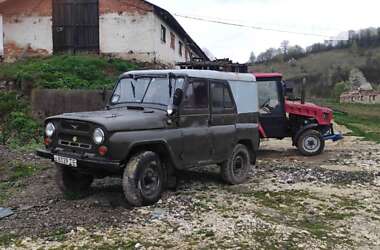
<point>163,33</point>
<point>180,48</point>
<point>172,40</point>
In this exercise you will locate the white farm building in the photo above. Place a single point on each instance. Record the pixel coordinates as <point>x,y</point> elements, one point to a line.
<point>131,29</point>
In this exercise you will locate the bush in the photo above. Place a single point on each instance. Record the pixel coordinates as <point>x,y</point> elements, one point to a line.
<point>339,89</point>
<point>67,71</point>
<point>17,126</point>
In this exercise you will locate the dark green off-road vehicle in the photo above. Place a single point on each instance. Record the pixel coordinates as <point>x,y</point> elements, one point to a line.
<point>157,122</point>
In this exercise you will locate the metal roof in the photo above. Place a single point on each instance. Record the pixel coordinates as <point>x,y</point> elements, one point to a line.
<point>208,74</point>
<point>267,75</point>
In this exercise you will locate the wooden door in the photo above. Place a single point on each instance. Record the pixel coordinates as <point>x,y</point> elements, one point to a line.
<point>75,26</point>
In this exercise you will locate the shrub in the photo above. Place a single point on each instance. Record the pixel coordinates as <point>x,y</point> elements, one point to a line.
<point>339,89</point>
<point>67,71</point>
<point>16,125</point>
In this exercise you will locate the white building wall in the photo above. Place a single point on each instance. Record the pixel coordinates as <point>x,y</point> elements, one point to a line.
<point>1,37</point>
<point>164,52</point>
<point>135,36</point>
<point>33,30</point>
<point>128,35</point>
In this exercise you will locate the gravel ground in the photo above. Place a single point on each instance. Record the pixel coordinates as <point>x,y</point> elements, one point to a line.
<point>330,201</point>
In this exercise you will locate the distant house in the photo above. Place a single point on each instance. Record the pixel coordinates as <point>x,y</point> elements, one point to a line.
<point>361,96</point>
<point>132,29</point>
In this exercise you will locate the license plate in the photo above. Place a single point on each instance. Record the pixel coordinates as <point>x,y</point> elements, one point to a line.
<point>66,161</point>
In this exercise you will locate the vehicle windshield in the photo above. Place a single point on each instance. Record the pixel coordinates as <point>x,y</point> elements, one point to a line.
<point>146,90</point>
<point>269,99</point>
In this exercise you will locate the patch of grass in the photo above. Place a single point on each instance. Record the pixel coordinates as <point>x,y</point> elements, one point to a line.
<point>58,235</point>
<point>17,171</point>
<point>362,119</point>
<point>67,71</point>
<point>275,199</point>
<point>7,239</point>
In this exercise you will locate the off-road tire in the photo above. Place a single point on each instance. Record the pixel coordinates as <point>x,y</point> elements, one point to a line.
<point>136,187</point>
<point>313,136</point>
<point>70,181</point>
<point>228,168</point>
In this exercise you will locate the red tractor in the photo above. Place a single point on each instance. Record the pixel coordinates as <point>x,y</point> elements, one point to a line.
<point>307,124</point>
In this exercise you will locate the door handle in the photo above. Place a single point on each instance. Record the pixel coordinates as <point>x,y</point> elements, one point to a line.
<point>59,29</point>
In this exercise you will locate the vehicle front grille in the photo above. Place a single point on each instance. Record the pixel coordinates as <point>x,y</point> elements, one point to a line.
<point>74,144</point>
<point>75,135</point>
<point>75,125</point>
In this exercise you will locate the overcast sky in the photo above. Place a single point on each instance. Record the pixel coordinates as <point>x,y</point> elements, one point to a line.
<point>324,17</point>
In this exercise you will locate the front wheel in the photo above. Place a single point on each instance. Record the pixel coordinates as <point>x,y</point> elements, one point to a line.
<point>236,169</point>
<point>70,181</point>
<point>143,179</point>
<point>311,143</point>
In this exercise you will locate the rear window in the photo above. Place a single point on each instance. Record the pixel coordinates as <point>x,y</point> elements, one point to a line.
<point>245,95</point>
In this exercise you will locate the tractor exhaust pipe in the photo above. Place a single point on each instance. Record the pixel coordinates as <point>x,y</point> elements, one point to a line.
<point>303,91</point>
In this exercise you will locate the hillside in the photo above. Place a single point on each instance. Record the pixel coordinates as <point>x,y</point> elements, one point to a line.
<point>323,70</point>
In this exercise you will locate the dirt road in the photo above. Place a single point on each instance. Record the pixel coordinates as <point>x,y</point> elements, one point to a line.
<point>290,202</point>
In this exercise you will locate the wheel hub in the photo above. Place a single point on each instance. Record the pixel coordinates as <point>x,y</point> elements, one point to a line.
<point>238,165</point>
<point>149,181</point>
<point>311,144</point>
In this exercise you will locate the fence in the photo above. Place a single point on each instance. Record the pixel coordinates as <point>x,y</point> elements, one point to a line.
<point>48,102</point>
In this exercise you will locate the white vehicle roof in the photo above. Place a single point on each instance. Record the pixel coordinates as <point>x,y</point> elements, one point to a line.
<point>207,74</point>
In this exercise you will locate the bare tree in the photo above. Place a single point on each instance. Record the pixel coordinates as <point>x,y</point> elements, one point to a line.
<point>252,58</point>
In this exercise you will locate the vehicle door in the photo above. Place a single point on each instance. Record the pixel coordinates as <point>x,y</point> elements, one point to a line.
<point>223,119</point>
<point>194,122</point>
<point>272,108</point>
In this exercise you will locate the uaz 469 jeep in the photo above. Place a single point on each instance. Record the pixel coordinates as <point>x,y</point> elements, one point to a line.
<point>155,123</point>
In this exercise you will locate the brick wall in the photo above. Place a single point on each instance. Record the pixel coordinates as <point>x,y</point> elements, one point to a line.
<point>11,9</point>
<point>119,6</point>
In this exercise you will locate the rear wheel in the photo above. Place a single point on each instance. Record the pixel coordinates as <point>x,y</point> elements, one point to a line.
<point>143,179</point>
<point>70,181</point>
<point>311,143</point>
<point>236,169</point>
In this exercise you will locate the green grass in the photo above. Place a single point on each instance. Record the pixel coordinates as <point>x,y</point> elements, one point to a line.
<point>67,71</point>
<point>7,239</point>
<point>15,172</point>
<point>362,119</point>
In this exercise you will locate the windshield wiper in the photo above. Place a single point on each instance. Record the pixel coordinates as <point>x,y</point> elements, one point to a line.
<point>133,89</point>
<point>135,107</point>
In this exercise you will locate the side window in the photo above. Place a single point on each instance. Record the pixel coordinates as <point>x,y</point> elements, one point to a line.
<point>196,96</point>
<point>228,103</point>
<point>163,34</point>
<point>221,97</point>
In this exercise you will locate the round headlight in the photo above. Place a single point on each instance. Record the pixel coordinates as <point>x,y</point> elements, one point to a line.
<point>49,130</point>
<point>98,136</point>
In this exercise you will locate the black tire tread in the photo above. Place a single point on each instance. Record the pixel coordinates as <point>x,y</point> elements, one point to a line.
<point>70,181</point>
<point>310,132</point>
<point>226,168</point>
<point>130,179</point>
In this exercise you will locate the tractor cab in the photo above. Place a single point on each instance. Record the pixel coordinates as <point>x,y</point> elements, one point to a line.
<point>272,105</point>
<point>308,125</point>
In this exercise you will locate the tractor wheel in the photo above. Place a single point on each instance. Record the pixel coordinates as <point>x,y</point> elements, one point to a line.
<point>143,179</point>
<point>311,143</point>
<point>236,169</point>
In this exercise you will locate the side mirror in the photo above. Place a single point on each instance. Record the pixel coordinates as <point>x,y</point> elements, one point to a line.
<point>177,99</point>
<point>178,95</point>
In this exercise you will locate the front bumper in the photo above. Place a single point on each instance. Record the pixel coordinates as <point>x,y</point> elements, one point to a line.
<point>86,163</point>
<point>332,136</point>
